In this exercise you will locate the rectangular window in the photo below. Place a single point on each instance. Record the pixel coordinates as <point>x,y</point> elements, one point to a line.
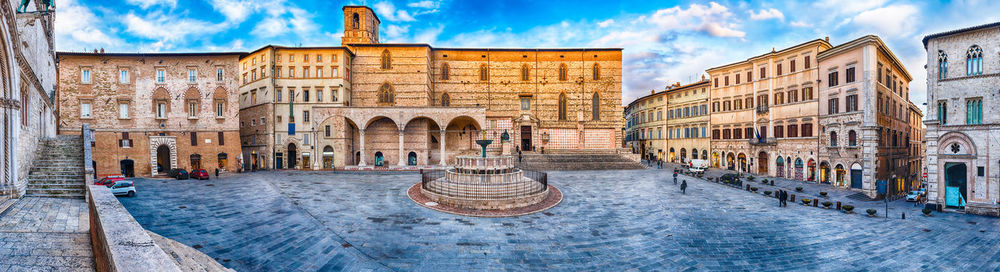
<point>305,139</point>
<point>192,76</point>
<point>305,57</point>
<point>832,78</point>
<point>319,72</point>
<point>333,95</point>
<point>291,58</point>
<point>779,131</point>
<point>123,110</point>
<point>727,80</point>
<point>161,110</point>
<point>85,76</point>
<point>793,131</point>
<point>805,63</point>
<point>852,103</point>
<point>778,72</point>
<point>305,95</point>
<point>763,72</point>
<point>942,111</point>
<point>791,66</point>
<point>305,72</point>
<point>319,96</point>
<point>291,72</point>
<point>715,134</point>
<point>974,111</point>
<point>277,96</point>
<point>327,131</point>
<point>222,139</point>
<point>85,110</point>
<point>192,109</point>
<point>807,130</point>
<point>850,74</point>
<point>333,71</point>
<point>123,76</point>
<point>305,117</point>
<point>525,103</point>
<point>832,107</point>
<point>218,74</point>
<point>194,139</point>
<point>161,76</point>
<point>219,109</point>
<point>737,79</point>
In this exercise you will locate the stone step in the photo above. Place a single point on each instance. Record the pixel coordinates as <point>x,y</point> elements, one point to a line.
<point>54,191</point>
<point>80,195</point>
<point>5,203</point>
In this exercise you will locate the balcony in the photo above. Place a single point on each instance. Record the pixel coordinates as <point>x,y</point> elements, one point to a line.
<point>763,141</point>
<point>762,109</point>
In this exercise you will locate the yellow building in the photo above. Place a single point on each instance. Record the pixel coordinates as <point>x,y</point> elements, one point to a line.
<point>645,126</point>
<point>687,121</point>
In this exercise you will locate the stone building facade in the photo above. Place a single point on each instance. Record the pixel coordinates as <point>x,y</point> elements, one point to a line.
<point>765,108</point>
<point>865,117</point>
<point>645,126</point>
<point>28,72</point>
<point>410,106</point>
<point>153,112</point>
<point>279,87</point>
<point>963,121</point>
<point>687,121</point>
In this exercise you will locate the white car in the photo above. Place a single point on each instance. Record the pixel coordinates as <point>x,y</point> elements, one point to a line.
<point>913,196</point>
<point>698,166</point>
<point>123,187</point>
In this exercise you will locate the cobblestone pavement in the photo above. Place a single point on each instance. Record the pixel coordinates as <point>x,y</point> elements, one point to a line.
<point>46,234</point>
<point>608,221</point>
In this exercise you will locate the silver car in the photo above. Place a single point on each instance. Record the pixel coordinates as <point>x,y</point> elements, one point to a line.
<point>123,187</point>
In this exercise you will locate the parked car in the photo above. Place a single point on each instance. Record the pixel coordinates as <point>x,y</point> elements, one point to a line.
<point>182,174</point>
<point>913,196</point>
<point>199,174</point>
<point>109,180</point>
<point>731,179</point>
<point>124,187</point>
<point>173,172</point>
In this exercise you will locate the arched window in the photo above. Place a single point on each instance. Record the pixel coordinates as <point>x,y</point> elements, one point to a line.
<point>595,107</point>
<point>445,73</point>
<point>852,138</point>
<point>356,21</point>
<point>974,61</point>
<point>386,60</point>
<point>942,65</point>
<point>445,100</point>
<point>562,106</point>
<point>597,71</point>
<point>833,138</point>
<point>483,73</point>
<point>386,95</point>
<point>525,72</point>
<point>562,72</point>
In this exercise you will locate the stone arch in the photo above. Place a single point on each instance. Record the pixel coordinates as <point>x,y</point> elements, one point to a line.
<point>422,137</point>
<point>381,135</point>
<point>824,172</point>
<point>595,106</point>
<point>7,125</point>
<point>839,175</point>
<point>170,143</point>
<point>949,141</point>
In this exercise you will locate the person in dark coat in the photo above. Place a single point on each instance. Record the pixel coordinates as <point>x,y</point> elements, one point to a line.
<point>675,176</point>
<point>784,198</point>
<point>684,186</point>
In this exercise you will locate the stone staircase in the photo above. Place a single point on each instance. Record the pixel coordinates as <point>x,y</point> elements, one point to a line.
<point>58,170</point>
<point>577,159</point>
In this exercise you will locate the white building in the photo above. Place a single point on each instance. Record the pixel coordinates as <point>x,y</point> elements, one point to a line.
<point>27,69</point>
<point>963,120</point>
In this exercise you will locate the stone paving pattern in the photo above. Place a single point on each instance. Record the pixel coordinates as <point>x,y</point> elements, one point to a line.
<point>46,234</point>
<point>608,221</point>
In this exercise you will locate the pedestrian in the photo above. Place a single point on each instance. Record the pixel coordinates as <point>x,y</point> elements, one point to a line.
<point>777,195</point>
<point>659,164</point>
<point>684,186</point>
<point>675,176</point>
<point>784,198</point>
<point>518,155</point>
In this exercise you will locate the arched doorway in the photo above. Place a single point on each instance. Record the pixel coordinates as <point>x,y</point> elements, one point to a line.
<point>798,168</point>
<point>779,167</point>
<point>379,159</point>
<point>327,157</point>
<point>411,159</point>
<point>715,160</point>
<point>788,169</point>
<point>762,163</point>
<point>195,162</point>
<point>811,169</point>
<point>856,176</point>
<point>704,154</point>
<point>292,156</point>
<point>683,155</point>
<point>672,159</point>
<point>694,154</point>
<point>839,173</point>
<point>955,179</point>
<point>731,162</point>
<point>824,172</point>
<point>223,160</point>
<point>162,159</point>
<point>128,167</point>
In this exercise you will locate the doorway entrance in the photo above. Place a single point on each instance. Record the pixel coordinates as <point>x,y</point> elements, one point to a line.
<point>762,163</point>
<point>278,160</point>
<point>162,159</point>
<point>955,179</point>
<point>526,138</point>
<point>856,176</point>
<point>327,157</point>
<point>195,162</point>
<point>411,159</point>
<point>128,168</point>
<point>292,157</point>
<point>379,159</point>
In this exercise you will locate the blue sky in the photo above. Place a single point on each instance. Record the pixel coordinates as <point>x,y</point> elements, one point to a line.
<point>664,41</point>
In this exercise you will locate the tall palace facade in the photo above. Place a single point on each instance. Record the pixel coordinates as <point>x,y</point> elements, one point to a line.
<point>370,104</point>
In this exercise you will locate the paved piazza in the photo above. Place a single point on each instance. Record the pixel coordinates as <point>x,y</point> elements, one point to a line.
<point>46,234</point>
<point>608,221</point>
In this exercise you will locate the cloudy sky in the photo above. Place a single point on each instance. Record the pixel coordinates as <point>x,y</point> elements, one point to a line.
<point>664,41</point>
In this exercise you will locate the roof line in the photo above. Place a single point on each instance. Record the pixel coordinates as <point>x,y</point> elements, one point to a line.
<point>957,31</point>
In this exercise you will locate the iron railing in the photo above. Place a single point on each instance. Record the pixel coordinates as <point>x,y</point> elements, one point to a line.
<point>762,109</point>
<point>763,141</point>
<point>485,187</point>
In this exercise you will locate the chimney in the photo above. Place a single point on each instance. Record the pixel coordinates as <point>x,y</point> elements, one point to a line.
<point>652,91</point>
<point>95,50</point>
<point>703,77</point>
<point>678,84</point>
<point>827,38</point>
<point>102,50</point>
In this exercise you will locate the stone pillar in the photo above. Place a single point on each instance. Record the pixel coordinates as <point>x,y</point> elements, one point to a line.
<point>362,141</point>
<point>402,157</point>
<point>443,155</point>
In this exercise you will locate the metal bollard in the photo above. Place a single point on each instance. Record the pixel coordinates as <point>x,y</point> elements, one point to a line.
<point>838,205</point>
<point>793,198</point>
<point>772,182</point>
<point>748,187</point>
<point>815,202</point>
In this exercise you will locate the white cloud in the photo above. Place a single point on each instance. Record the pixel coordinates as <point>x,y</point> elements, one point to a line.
<point>388,11</point>
<point>235,11</point>
<point>426,4</point>
<point>766,14</point>
<point>168,29</point>
<point>838,7</point>
<point>270,27</point>
<point>393,32</point>
<point>712,19</point>
<point>429,35</point>
<point>77,25</point>
<point>800,24</point>
<point>606,23</point>
<point>145,4</point>
<point>891,21</point>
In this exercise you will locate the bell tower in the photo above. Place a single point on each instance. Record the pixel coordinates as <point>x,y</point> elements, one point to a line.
<point>360,25</point>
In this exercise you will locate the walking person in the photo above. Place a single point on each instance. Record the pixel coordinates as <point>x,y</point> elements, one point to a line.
<point>684,186</point>
<point>777,194</point>
<point>784,198</point>
<point>675,176</point>
<point>519,156</point>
